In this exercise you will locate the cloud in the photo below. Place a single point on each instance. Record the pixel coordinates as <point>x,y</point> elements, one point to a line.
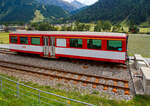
<point>87,2</point>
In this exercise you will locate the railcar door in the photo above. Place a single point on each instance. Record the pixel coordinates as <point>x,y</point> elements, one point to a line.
<point>52,46</point>
<point>46,46</point>
<point>49,46</point>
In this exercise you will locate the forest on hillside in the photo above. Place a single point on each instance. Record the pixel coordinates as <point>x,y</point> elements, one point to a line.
<point>116,11</point>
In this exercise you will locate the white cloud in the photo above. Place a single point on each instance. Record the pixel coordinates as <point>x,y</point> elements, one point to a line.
<point>68,0</point>
<point>87,2</point>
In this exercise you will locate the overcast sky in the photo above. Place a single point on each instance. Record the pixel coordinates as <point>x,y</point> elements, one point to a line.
<point>87,2</point>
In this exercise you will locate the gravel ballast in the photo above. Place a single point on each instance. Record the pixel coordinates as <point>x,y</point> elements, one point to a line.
<point>60,64</point>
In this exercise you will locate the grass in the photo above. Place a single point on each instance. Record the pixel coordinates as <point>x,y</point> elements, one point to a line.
<point>4,38</point>
<point>145,30</point>
<point>10,100</point>
<point>139,43</point>
<point>6,99</point>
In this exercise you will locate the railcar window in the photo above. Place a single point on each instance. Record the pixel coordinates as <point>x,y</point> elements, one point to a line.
<point>94,44</point>
<point>114,45</point>
<point>35,41</point>
<point>61,42</point>
<point>77,43</point>
<point>23,40</point>
<point>13,39</point>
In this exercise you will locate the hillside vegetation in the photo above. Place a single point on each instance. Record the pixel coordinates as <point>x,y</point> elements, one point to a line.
<point>61,3</point>
<point>116,11</point>
<point>23,11</point>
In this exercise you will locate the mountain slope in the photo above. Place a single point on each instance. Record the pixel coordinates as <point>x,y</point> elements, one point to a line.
<point>23,10</point>
<point>77,4</point>
<point>63,4</point>
<point>135,11</point>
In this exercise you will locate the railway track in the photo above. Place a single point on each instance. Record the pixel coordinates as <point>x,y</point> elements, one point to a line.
<point>71,76</point>
<point>95,63</point>
<point>6,51</point>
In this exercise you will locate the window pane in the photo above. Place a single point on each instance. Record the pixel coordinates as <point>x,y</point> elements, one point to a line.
<point>76,43</point>
<point>114,45</point>
<point>23,40</point>
<point>35,41</point>
<point>61,42</point>
<point>13,39</point>
<point>94,44</point>
<point>45,41</point>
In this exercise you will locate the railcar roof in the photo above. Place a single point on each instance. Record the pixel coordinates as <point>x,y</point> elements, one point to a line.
<point>72,33</point>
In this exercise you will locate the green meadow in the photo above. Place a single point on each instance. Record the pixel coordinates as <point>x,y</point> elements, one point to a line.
<point>4,38</point>
<point>139,44</point>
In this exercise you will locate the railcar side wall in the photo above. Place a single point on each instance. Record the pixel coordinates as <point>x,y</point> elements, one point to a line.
<point>83,52</point>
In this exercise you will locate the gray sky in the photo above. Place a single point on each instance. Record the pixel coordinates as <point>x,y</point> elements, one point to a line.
<point>88,2</point>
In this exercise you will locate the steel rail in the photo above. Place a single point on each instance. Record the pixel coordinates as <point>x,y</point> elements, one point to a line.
<point>68,78</point>
<point>64,71</point>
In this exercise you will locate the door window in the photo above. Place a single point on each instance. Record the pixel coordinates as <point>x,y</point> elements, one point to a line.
<point>45,41</point>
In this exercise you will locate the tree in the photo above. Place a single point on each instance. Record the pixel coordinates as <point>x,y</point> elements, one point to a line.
<point>43,26</point>
<point>64,28</point>
<point>116,28</point>
<point>99,26</point>
<point>107,25</point>
<point>79,26</point>
<point>69,28</point>
<point>77,23</point>
<point>87,27</point>
<point>133,29</point>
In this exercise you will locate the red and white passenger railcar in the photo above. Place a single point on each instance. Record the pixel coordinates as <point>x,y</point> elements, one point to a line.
<point>99,46</point>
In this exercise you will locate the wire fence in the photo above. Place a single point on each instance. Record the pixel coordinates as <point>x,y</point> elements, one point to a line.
<point>36,96</point>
